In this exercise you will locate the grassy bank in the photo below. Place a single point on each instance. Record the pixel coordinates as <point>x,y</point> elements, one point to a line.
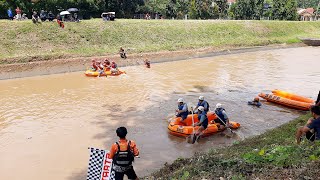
<point>22,41</point>
<point>272,155</point>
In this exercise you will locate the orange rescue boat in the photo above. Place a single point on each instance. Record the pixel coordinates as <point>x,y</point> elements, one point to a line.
<point>286,102</point>
<point>185,129</point>
<point>292,96</point>
<point>92,73</point>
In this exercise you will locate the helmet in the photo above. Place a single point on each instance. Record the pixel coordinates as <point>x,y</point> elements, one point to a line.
<point>256,99</point>
<point>218,106</point>
<point>180,100</point>
<point>200,108</point>
<point>201,98</point>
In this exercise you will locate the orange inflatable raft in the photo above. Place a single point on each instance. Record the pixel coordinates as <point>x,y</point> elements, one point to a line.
<point>292,96</point>
<point>92,73</point>
<point>286,102</point>
<point>185,129</point>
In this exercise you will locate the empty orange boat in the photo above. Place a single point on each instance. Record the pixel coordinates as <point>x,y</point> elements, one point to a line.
<point>286,102</point>
<point>185,129</point>
<point>292,96</point>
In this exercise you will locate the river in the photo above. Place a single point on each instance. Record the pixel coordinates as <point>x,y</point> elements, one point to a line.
<point>48,122</point>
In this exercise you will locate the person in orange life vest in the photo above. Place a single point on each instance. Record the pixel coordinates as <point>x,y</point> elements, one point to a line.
<point>106,64</point>
<point>100,68</point>
<point>122,154</point>
<point>114,68</point>
<point>94,65</point>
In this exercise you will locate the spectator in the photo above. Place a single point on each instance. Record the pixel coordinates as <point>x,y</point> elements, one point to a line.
<point>50,16</point>
<point>43,16</point>
<point>10,14</point>
<point>35,17</point>
<point>18,12</point>
<point>147,16</point>
<point>76,17</point>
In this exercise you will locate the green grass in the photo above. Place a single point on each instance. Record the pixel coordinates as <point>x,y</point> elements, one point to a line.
<point>266,156</point>
<point>23,41</point>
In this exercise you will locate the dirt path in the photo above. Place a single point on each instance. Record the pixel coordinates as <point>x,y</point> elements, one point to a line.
<point>38,67</point>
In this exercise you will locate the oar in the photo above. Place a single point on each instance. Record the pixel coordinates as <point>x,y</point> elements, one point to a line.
<point>192,138</point>
<point>225,124</point>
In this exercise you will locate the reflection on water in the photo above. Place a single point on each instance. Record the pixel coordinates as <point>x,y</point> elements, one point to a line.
<point>48,122</point>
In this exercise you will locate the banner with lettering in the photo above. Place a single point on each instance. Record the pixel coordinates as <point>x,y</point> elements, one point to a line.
<point>100,165</point>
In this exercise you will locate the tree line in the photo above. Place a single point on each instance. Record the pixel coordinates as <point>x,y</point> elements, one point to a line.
<point>178,9</point>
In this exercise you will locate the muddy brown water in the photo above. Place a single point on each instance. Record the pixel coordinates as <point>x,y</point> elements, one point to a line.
<point>48,122</point>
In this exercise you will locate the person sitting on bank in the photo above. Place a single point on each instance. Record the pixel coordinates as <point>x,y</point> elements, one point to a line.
<point>147,63</point>
<point>114,68</point>
<point>255,102</point>
<point>222,117</point>
<point>312,124</point>
<point>50,16</point>
<point>182,110</point>
<point>122,53</point>
<point>202,103</point>
<point>122,154</point>
<point>43,15</point>
<point>35,17</point>
<point>203,122</point>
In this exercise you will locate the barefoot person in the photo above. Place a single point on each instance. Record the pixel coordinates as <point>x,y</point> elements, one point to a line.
<point>312,124</point>
<point>122,154</point>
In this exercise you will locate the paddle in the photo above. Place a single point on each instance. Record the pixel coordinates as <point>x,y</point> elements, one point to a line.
<point>192,138</point>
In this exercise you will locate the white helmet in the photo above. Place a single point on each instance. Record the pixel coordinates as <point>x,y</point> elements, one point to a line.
<point>201,98</point>
<point>200,108</point>
<point>218,106</point>
<point>180,100</point>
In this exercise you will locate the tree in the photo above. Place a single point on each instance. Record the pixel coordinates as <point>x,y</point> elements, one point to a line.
<point>245,9</point>
<point>193,10</point>
<point>284,10</point>
<point>223,7</point>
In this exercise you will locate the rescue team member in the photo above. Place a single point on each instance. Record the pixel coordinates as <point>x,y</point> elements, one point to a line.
<point>311,125</point>
<point>94,65</point>
<point>255,102</point>
<point>114,68</point>
<point>202,103</point>
<point>222,116</point>
<point>182,110</point>
<point>203,122</point>
<point>122,154</point>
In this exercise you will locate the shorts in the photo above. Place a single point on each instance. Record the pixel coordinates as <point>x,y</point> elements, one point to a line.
<point>204,125</point>
<point>182,116</point>
<point>310,136</point>
<point>220,122</point>
<point>131,174</point>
